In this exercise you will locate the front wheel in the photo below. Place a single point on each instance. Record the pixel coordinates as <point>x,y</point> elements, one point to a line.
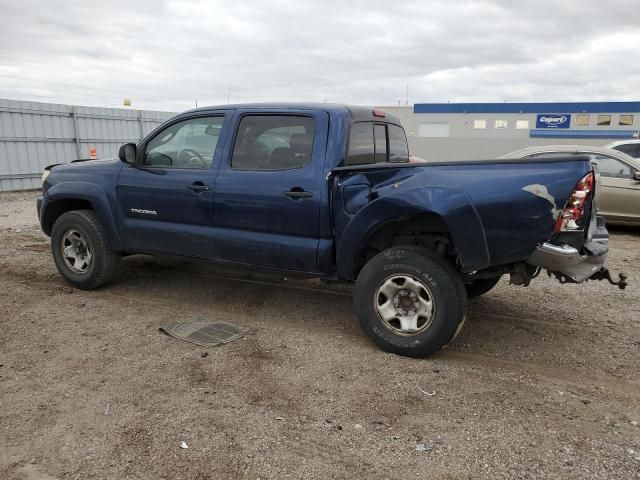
<point>410,301</point>
<point>80,250</point>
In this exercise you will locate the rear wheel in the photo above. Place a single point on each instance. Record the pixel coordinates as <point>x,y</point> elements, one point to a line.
<point>410,301</point>
<point>80,250</point>
<point>481,286</point>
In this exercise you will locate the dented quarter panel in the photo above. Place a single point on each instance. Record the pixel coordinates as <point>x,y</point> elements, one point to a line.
<point>404,197</point>
<point>496,213</point>
<point>515,219</point>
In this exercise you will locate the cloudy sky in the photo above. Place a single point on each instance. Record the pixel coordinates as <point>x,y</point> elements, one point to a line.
<point>168,54</point>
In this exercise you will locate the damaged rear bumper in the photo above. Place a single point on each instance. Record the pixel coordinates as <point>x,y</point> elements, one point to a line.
<point>569,261</point>
<point>573,264</point>
<point>568,264</point>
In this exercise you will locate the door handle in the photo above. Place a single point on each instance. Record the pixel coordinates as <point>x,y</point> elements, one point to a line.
<point>298,193</point>
<point>199,187</point>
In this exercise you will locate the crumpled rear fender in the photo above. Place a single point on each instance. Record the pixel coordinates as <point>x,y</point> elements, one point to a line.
<point>453,206</point>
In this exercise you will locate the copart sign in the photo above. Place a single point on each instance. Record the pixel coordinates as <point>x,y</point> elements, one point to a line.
<point>549,120</point>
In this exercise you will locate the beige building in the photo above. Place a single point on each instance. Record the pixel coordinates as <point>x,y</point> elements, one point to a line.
<point>459,131</point>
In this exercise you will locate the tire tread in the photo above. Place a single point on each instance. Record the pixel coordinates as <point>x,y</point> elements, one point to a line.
<point>439,268</point>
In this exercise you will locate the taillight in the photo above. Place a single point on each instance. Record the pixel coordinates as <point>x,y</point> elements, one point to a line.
<point>572,217</point>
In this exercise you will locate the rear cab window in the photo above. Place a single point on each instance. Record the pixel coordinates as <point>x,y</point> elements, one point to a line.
<point>376,142</point>
<point>398,146</point>
<point>361,144</point>
<point>380,138</point>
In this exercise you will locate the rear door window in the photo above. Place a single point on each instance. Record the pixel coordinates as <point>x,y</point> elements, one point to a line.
<point>273,142</point>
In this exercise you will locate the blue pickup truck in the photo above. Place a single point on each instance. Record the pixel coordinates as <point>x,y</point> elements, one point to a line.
<point>329,191</point>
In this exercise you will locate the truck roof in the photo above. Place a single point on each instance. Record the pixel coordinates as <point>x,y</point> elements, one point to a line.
<point>357,112</point>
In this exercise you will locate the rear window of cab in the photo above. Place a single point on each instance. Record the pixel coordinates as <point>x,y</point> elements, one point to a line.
<point>373,142</point>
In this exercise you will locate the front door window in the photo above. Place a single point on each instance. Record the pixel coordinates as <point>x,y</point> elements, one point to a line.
<point>187,144</point>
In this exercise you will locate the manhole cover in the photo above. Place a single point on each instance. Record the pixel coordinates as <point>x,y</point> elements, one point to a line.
<point>207,333</point>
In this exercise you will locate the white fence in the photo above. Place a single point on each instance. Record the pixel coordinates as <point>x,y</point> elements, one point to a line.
<point>34,135</point>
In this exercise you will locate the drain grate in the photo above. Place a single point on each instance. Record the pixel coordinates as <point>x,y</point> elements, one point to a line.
<point>206,333</point>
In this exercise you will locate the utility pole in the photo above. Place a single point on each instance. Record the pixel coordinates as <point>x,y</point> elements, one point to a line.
<point>407,101</point>
<point>229,97</point>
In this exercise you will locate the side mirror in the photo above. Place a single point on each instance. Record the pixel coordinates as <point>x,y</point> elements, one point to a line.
<point>127,153</point>
<point>636,176</point>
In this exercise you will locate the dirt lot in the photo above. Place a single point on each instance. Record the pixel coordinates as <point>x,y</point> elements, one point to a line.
<point>542,382</point>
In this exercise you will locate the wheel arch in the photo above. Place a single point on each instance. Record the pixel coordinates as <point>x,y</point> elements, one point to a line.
<point>56,208</point>
<point>63,198</point>
<point>441,218</point>
<point>425,229</point>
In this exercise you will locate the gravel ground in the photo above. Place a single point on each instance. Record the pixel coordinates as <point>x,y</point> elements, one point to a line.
<point>543,382</point>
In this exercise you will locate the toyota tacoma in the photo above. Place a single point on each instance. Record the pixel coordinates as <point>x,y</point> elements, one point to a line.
<point>328,191</point>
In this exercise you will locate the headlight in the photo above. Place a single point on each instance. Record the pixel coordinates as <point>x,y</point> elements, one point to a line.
<point>44,176</point>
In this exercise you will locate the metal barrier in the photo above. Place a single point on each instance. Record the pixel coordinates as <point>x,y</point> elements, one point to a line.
<point>34,135</point>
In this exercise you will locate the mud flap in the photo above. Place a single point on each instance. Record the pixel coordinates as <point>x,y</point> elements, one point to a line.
<point>459,329</point>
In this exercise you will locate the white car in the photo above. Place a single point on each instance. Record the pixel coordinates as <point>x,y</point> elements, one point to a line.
<point>620,178</point>
<point>630,147</point>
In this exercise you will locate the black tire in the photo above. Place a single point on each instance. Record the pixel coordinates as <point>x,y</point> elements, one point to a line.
<point>105,264</point>
<point>446,291</point>
<point>481,286</point>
